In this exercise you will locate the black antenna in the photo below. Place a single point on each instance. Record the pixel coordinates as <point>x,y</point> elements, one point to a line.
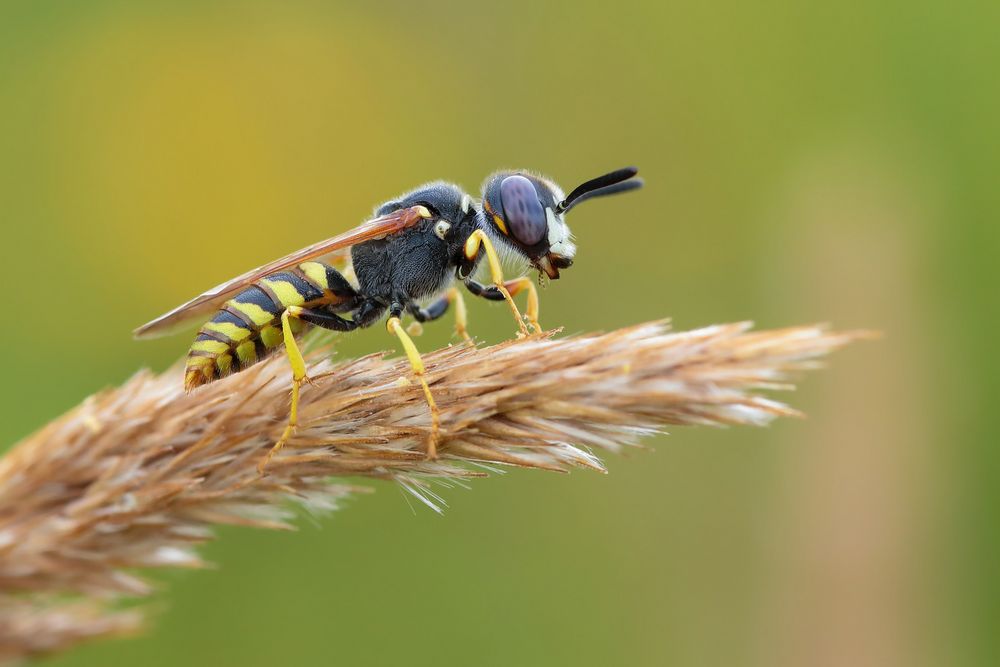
<point>608,184</point>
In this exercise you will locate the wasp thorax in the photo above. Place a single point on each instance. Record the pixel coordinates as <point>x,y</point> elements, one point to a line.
<point>522,211</point>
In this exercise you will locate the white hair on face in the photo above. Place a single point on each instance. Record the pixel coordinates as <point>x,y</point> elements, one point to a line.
<point>560,238</point>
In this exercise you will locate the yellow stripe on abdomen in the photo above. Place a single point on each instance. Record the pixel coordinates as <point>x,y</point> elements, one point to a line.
<point>209,346</point>
<point>224,363</point>
<point>254,313</point>
<point>316,272</point>
<point>285,292</point>
<point>271,336</point>
<point>247,353</point>
<point>198,371</point>
<point>231,331</point>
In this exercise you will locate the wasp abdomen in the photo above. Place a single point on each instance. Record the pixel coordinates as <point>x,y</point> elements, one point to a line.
<point>248,327</point>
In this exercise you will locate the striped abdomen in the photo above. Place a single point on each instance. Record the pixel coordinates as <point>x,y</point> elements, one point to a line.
<point>248,327</point>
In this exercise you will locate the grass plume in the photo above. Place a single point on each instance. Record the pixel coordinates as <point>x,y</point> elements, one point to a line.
<point>136,476</point>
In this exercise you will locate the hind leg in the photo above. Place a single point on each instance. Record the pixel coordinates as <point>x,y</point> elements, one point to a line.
<point>298,365</point>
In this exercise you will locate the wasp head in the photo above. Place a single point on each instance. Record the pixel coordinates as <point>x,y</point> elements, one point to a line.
<point>528,212</point>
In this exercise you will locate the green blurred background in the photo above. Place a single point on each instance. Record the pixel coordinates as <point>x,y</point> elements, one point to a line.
<point>804,162</point>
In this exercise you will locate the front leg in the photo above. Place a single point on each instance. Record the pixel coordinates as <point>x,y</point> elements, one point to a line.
<point>477,240</point>
<point>514,287</point>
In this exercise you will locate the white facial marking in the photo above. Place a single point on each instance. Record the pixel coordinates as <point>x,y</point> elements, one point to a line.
<point>441,228</point>
<point>466,203</point>
<point>559,242</point>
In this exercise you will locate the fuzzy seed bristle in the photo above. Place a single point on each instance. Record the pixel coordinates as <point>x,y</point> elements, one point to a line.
<point>76,497</point>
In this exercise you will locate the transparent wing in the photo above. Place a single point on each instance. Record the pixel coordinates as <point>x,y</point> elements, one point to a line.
<point>213,299</point>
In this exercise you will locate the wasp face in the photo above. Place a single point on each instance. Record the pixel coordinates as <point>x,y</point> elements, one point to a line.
<point>527,211</point>
<point>523,210</point>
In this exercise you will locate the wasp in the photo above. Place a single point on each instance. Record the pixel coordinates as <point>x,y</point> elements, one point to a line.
<point>410,254</point>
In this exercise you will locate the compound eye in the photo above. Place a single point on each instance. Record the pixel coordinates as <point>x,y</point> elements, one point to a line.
<point>522,211</point>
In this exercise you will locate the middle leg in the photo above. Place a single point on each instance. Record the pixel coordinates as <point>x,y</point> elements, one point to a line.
<point>440,307</point>
<point>394,327</point>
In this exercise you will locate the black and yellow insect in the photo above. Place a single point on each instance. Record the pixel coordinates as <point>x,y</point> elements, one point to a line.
<point>409,254</point>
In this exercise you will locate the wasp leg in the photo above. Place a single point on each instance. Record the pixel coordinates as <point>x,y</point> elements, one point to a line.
<point>514,287</point>
<point>478,238</point>
<point>432,312</point>
<point>461,315</point>
<point>440,307</point>
<point>395,327</point>
<point>298,364</point>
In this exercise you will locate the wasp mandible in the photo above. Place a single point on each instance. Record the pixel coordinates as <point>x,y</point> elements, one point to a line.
<point>409,254</point>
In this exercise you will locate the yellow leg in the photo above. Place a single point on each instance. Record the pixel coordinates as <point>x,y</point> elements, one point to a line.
<point>394,327</point>
<point>461,315</point>
<point>518,285</point>
<point>477,239</point>
<point>299,376</point>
